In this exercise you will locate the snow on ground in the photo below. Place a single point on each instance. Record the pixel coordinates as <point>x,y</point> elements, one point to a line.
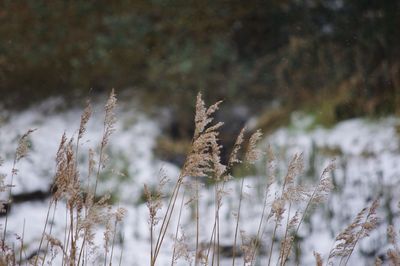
<point>367,157</point>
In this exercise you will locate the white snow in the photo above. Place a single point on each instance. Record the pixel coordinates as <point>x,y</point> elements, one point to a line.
<point>367,158</point>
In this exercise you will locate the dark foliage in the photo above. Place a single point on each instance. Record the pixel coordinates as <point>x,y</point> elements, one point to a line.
<point>345,52</point>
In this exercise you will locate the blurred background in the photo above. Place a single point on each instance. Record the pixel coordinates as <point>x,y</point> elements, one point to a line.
<point>337,58</point>
<point>297,65</point>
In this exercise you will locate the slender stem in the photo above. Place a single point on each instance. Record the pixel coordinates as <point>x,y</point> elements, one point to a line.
<point>122,249</point>
<point>302,218</point>
<point>210,242</point>
<point>197,224</point>
<point>177,227</point>
<point>357,238</point>
<point>170,205</point>
<point>22,243</point>
<point>44,231</point>
<point>81,250</point>
<point>258,237</point>
<point>237,222</point>
<point>87,205</point>
<point>213,245</point>
<point>98,170</point>
<point>218,204</point>
<point>50,231</point>
<point>13,172</point>
<point>167,218</point>
<point>151,242</point>
<point>282,255</point>
<point>272,243</point>
<point>66,234</point>
<point>73,244</point>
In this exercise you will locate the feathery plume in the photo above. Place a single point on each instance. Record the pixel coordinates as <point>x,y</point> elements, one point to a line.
<point>252,153</point>
<point>233,158</point>
<point>109,120</point>
<point>325,185</point>
<point>362,225</point>
<point>203,115</point>
<point>87,113</point>
<point>23,145</point>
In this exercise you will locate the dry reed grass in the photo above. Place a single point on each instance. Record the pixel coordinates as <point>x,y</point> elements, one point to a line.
<point>284,209</point>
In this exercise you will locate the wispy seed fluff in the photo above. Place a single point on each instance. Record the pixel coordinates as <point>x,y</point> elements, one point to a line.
<point>204,157</point>
<point>252,153</point>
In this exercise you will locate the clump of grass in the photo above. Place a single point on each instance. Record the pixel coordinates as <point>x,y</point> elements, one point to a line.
<point>284,209</point>
<point>365,221</point>
<point>286,203</point>
<point>84,214</point>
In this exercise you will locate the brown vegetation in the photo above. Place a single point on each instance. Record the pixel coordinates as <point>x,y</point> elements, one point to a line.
<point>283,213</point>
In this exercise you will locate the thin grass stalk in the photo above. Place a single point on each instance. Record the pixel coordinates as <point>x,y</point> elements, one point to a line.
<point>73,244</point>
<point>331,249</point>
<point>13,172</point>
<point>167,218</point>
<point>151,242</point>
<point>88,205</point>
<point>121,253</point>
<point>164,221</point>
<point>44,230</point>
<point>260,232</point>
<point>105,253</point>
<point>215,238</point>
<point>177,227</point>
<point>213,231</point>
<point>197,224</point>
<point>20,153</point>
<point>265,227</point>
<point>218,199</point>
<point>76,165</point>
<point>99,165</point>
<point>66,234</point>
<point>50,231</point>
<point>214,245</point>
<point>302,217</point>
<point>109,229</point>
<point>170,205</point>
<point>275,228</point>
<point>22,243</point>
<point>237,222</point>
<point>272,243</point>
<point>282,251</point>
<point>276,225</point>
<point>357,239</point>
<point>86,208</point>
<point>218,245</point>
<point>108,123</point>
<point>77,216</point>
<point>211,241</point>
<point>81,250</point>
<point>102,146</point>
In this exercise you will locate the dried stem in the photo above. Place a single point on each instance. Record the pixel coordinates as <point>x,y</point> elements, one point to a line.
<point>237,222</point>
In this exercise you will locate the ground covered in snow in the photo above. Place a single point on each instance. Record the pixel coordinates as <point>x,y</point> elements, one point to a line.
<point>366,152</point>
